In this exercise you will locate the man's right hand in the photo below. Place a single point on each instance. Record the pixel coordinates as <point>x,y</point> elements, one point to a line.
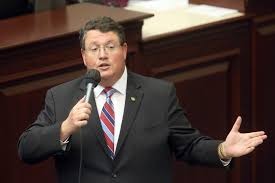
<point>77,118</point>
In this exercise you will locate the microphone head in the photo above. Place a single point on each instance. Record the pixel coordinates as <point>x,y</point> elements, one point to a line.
<point>93,76</point>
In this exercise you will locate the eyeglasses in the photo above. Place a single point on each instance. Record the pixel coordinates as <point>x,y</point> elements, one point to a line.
<point>107,48</point>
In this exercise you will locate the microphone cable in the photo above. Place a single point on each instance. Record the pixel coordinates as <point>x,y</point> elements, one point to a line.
<point>93,77</point>
<point>80,156</point>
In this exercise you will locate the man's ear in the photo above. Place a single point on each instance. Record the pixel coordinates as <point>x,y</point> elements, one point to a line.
<point>125,48</point>
<point>83,57</point>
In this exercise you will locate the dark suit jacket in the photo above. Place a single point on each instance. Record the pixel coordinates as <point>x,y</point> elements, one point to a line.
<point>154,128</point>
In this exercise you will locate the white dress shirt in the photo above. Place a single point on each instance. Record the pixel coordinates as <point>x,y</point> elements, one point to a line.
<point>118,99</point>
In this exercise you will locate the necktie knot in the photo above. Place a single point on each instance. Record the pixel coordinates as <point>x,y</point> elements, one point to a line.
<point>109,91</point>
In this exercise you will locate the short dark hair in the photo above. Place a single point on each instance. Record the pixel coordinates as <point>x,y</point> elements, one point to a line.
<point>103,24</point>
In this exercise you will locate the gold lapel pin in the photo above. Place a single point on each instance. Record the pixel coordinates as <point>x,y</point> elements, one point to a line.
<point>133,99</point>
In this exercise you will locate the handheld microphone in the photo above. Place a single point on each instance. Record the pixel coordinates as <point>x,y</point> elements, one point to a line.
<point>93,78</point>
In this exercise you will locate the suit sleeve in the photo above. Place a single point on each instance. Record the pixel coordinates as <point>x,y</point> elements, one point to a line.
<point>186,142</point>
<point>42,138</point>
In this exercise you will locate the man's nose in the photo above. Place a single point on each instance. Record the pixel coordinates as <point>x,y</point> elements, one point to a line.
<point>102,53</point>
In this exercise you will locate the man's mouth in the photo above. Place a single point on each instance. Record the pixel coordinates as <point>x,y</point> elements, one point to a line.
<point>104,66</point>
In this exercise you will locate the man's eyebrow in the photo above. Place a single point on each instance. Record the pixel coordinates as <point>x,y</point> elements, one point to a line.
<point>96,43</point>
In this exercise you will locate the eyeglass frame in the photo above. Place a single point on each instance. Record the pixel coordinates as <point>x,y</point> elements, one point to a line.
<point>108,48</point>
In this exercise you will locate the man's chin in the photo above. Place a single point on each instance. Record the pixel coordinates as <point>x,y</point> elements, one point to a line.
<point>105,74</point>
<point>106,77</point>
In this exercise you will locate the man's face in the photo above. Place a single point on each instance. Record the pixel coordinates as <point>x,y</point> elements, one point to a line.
<point>104,53</point>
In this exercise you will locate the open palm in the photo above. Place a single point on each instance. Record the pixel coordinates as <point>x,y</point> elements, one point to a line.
<point>238,144</point>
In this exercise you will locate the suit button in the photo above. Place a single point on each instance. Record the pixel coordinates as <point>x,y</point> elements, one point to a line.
<point>114,175</point>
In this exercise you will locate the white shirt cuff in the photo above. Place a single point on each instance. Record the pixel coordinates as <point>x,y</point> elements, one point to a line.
<point>227,162</point>
<point>64,144</point>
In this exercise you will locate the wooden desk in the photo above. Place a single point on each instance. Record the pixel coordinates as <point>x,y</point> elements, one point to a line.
<point>36,52</point>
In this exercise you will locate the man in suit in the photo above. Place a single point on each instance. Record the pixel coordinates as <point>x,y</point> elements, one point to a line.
<point>148,125</point>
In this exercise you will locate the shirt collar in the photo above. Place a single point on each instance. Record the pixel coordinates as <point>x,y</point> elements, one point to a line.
<point>120,85</point>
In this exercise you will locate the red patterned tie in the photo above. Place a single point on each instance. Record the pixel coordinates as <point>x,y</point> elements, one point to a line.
<point>107,118</point>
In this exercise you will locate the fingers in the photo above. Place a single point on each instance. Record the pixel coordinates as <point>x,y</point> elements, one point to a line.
<point>256,134</point>
<point>80,114</point>
<point>249,150</point>
<point>82,110</point>
<point>77,118</point>
<point>237,124</point>
<point>80,105</point>
<point>81,100</point>
<point>82,123</point>
<point>257,140</point>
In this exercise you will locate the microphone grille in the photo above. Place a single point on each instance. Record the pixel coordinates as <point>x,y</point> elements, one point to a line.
<point>93,76</point>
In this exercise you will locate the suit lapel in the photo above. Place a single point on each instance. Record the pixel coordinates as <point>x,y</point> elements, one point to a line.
<point>133,100</point>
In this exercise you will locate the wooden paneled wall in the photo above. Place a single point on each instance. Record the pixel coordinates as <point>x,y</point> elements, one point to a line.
<point>263,65</point>
<point>211,69</point>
